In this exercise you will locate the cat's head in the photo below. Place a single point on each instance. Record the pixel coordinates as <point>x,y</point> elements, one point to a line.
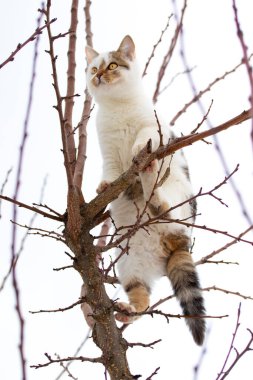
<point>112,74</point>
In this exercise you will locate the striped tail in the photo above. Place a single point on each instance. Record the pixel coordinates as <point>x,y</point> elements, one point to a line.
<point>184,279</point>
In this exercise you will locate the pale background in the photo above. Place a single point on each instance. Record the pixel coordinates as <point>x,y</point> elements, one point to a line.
<point>212,45</point>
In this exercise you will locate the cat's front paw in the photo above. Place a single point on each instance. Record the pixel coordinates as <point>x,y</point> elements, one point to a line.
<point>122,317</point>
<point>153,167</point>
<point>102,186</point>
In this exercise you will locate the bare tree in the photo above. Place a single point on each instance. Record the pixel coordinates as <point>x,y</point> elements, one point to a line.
<point>89,252</point>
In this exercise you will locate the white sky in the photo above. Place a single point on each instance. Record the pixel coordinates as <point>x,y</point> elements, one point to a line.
<point>212,45</point>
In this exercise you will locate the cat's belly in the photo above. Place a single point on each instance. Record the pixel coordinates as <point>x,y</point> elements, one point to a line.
<point>144,258</point>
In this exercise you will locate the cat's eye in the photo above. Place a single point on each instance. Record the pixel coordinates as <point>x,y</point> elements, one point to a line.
<point>112,66</point>
<point>94,70</point>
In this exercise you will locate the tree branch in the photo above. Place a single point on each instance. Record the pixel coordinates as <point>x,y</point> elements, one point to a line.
<point>167,57</point>
<point>245,58</point>
<point>204,259</point>
<point>37,32</point>
<point>69,99</point>
<point>67,162</point>
<point>198,95</point>
<point>70,358</point>
<point>79,302</point>
<point>209,124</point>
<point>214,287</point>
<point>34,209</point>
<point>82,126</point>
<point>155,47</point>
<point>143,159</point>
<point>223,374</point>
<point>14,256</point>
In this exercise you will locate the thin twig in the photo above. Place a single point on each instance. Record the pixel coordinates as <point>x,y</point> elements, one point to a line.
<point>3,186</point>
<point>153,373</point>
<point>239,355</point>
<point>214,287</point>
<point>150,345</point>
<point>37,32</point>
<point>48,208</point>
<point>175,77</point>
<point>16,258</point>
<point>203,119</point>
<point>75,354</point>
<point>198,95</point>
<point>61,309</point>
<point>155,46</point>
<point>68,359</point>
<point>167,57</point>
<point>65,368</point>
<point>30,228</point>
<point>15,284</point>
<point>131,229</point>
<point>63,268</point>
<point>245,59</point>
<point>153,312</point>
<point>206,228</point>
<point>209,124</point>
<point>34,209</point>
<point>232,343</point>
<point>204,259</point>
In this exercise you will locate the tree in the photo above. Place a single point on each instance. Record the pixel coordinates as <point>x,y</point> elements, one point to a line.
<point>82,216</point>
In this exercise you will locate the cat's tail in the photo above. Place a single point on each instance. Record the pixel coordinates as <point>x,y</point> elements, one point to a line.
<point>184,279</point>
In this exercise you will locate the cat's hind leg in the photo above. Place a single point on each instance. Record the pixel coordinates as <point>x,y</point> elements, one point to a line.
<point>138,295</point>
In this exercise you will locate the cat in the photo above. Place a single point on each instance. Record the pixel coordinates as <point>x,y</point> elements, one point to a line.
<point>125,123</point>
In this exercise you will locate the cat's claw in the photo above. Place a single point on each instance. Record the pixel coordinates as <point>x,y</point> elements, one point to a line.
<point>102,187</point>
<point>123,317</point>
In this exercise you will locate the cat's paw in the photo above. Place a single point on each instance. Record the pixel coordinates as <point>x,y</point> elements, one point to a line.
<point>102,186</point>
<point>123,317</point>
<point>153,167</point>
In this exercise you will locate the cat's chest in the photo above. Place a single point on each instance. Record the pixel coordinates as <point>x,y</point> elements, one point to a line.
<point>120,128</point>
<point>123,139</point>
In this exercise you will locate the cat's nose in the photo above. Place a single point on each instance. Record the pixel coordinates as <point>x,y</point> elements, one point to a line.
<point>99,74</point>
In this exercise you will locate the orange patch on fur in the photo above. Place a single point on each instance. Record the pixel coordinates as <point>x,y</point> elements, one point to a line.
<point>158,210</point>
<point>139,297</point>
<point>173,242</point>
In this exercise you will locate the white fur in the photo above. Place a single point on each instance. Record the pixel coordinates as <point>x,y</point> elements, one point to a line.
<point>125,122</point>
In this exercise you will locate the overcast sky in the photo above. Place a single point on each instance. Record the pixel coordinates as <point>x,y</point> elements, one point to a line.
<point>212,46</point>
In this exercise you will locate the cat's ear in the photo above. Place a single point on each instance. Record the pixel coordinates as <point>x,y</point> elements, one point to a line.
<point>127,47</point>
<point>90,53</point>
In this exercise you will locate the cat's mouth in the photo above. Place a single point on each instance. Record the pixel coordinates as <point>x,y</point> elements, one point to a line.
<point>97,81</point>
<point>101,81</point>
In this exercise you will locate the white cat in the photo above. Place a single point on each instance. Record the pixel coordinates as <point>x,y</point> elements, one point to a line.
<point>125,123</point>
